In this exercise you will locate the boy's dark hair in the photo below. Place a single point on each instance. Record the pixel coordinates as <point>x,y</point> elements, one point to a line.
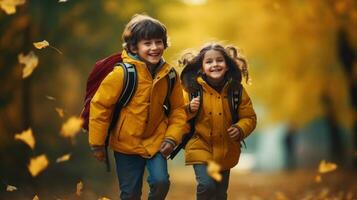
<point>143,27</point>
<point>195,64</point>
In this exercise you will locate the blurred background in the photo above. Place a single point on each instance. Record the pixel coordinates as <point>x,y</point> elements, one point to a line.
<point>302,62</point>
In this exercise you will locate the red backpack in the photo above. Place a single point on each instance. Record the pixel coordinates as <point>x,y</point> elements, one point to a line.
<point>100,70</point>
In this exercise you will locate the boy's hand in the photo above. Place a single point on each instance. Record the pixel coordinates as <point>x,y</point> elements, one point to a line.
<point>99,153</point>
<point>234,133</point>
<point>166,148</point>
<point>194,104</point>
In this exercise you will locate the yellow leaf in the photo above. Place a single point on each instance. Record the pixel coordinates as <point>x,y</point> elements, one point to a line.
<point>213,170</point>
<point>79,188</point>
<point>38,164</point>
<point>26,137</point>
<point>30,61</point>
<point>71,127</point>
<point>325,167</point>
<point>51,98</point>
<point>10,188</point>
<point>63,158</point>
<point>41,45</point>
<point>36,198</point>
<point>104,198</point>
<point>318,179</point>
<point>60,112</point>
<point>9,6</point>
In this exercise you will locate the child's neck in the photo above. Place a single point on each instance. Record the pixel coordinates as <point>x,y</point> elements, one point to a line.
<point>216,84</point>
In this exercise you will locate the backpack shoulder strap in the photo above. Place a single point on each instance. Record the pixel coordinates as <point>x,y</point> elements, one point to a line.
<point>130,84</point>
<point>171,79</point>
<point>234,99</point>
<point>186,137</point>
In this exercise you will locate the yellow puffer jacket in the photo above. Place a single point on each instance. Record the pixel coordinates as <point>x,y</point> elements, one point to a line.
<point>142,124</point>
<point>211,140</point>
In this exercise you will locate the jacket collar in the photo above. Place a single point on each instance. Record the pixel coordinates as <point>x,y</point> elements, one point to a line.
<point>162,69</point>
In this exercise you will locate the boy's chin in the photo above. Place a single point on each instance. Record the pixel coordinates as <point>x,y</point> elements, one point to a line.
<point>153,62</point>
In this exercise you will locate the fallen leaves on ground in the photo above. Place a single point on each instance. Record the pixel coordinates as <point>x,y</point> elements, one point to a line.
<point>27,138</point>
<point>104,198</point>
<point>213,170</point>
<point>9,6</point>
<point>38,164</point>
<point>30,61</point>
<point>71,127</point>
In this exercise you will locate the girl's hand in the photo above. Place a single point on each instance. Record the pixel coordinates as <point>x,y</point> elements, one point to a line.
<point>166,149</point>
<point>234,133</point>
<point>194,104</point>
<point>99,153</point>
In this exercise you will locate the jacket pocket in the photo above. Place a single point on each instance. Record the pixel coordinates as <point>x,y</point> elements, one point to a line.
<point>198,143</point>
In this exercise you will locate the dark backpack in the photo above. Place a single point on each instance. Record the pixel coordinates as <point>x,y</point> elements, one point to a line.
<point>100,70</point>
<point>234,99</point>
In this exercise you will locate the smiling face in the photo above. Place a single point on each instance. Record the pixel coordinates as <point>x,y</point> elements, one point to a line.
<point>214,66</point>
<point>150,51</point>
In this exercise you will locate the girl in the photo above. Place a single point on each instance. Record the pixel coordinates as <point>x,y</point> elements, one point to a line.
<point>217,135</point>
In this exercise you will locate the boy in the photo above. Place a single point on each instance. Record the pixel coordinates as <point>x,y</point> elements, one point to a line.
<point>143,136</point>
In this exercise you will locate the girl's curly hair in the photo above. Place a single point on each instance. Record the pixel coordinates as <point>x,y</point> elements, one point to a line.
<point>192,64</point>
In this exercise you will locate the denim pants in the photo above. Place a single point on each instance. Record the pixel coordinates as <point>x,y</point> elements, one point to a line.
<point>208,188</point>
<point>130,171</point>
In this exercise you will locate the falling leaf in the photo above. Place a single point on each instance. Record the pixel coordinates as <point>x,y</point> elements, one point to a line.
<point>71,127</point>
<point>38,164</point>
<point>60,112</point>
<point>213,170</point>
<point>326,167</point>
<point>26,137</point>
<point>104,198</point>
<point>51,98</point>
<point>9,6</point>
<point>62,1</point>
<point>63,158</point>
<point>318,179</point>
<point>41,45</point>
<point>36,198</point>
<point>30,61</point>
<point>79,188</point>
<point>10,188</point>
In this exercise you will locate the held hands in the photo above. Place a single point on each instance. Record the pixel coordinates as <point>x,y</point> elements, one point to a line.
<point>166,148</point>
<point>234,133</point>
<point>99,153</point>
<point>194,104</point>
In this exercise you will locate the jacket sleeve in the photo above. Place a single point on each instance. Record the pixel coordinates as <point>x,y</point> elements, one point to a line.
<point>103,104</point>
<point>177,119</point>
<point>247,117</point>
<point>189,115</point>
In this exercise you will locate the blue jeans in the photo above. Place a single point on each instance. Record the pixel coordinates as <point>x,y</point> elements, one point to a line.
<point>130,171</point>
<point>207,188</point>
